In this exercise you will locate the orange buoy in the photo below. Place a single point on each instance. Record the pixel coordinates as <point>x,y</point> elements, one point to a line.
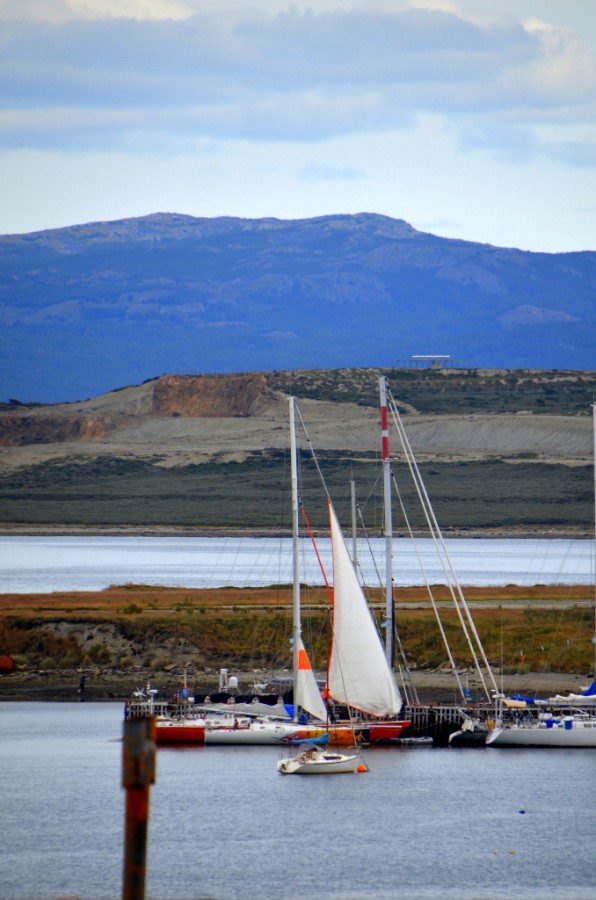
<point>361,768</point>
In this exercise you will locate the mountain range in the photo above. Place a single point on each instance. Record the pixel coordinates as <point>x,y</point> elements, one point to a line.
<point>90,307</point>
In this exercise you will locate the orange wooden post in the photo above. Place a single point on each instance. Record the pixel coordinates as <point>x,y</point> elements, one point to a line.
<point>138,773</point>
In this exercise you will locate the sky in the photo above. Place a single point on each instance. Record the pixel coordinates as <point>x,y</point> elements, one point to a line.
<point>473,119</point>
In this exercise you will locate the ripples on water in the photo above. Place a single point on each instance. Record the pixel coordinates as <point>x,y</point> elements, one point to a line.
<point>41,564</point>
<point>423,823</point>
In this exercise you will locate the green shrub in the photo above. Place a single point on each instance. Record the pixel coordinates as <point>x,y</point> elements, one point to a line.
<point>20,661</point>
<point>133,609</point>
<point>48,663</point>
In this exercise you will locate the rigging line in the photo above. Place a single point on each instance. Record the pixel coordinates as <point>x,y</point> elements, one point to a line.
<point>369,547</point>
<point>282,515</point>
<point>372,490</point>
<point>359,513</point>
<point>594,534</point>
<point>429,589</point>
<point>461,596</point>
<point>441,548</point>
<point>404,685</point>
<point>313,454</point>
<point>316,549</point>
<point>396,636</point>
<point>433,528</point>
<point>405,665</point>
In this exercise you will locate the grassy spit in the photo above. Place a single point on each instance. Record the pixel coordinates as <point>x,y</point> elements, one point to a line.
<point>523,629</point>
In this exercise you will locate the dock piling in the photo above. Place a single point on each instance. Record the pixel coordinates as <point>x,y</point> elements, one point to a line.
<point>138,774</point>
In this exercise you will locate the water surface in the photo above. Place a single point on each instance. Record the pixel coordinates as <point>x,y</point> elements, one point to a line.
<point>423,823</point>
<point>46,564</point>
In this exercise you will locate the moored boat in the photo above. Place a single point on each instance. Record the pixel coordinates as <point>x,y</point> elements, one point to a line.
<point>575,730</point>
<point>473,733</point>
<point>179,731</point>
<point>259,732</point>
<point>314,761</point>
<point>565,727</point>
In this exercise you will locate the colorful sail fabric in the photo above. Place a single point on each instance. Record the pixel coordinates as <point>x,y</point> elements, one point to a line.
<point>359,674</point>
<point>308,695</point>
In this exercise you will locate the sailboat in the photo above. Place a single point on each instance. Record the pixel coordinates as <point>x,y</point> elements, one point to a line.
<point>578,729</point>
<point>359,677</point>
<point>436,723</point>
<point>568,723</point>
<point>313,761</point>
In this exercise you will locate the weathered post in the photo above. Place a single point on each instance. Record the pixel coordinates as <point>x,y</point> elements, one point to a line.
<point>138,773</point>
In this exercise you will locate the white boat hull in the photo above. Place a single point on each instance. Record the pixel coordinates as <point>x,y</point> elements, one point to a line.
<point>323,762</point>
<point>259,733</point>
<point>580,734</point>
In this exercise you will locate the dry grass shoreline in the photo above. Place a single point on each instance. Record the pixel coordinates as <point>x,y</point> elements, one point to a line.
<point>128,635</point>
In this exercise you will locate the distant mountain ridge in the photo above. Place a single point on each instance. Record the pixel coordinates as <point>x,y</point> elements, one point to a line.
<point>92,306</point>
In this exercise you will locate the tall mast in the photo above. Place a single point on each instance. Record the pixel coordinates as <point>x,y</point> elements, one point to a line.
<point>354,531</point>
<point>390,613</point>
<point>296,629</point>
<point>594,451</point>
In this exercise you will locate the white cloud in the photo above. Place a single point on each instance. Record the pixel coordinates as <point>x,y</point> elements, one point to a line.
<point>300,76</point>
<point>412,108</point>
<point>59,11</point>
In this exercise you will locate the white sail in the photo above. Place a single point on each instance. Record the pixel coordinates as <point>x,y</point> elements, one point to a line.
<point>359,674</point>
<point>307,693</point>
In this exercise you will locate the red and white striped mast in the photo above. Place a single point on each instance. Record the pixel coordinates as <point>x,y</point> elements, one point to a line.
<point>388,524</point>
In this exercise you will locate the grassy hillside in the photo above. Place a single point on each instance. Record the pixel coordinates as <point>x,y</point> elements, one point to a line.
<point>93,474</point>
<point>254,494</point>
<point>450,391</point>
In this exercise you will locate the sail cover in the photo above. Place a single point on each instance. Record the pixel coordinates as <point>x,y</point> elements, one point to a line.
<point>359,674</point>
<point>308,695</point>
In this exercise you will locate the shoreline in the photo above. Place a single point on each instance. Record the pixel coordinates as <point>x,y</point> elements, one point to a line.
<point>518,532</point>
<point>434,686</point>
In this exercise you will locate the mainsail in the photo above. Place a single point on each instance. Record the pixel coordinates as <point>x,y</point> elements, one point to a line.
<point>308,695</point>
<point>359,674</point>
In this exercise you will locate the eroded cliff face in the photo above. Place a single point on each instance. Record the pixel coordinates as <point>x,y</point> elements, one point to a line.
<point>186,396</point>
<point>213,396</point>
<point>50,428</point>
<point>191,419</point>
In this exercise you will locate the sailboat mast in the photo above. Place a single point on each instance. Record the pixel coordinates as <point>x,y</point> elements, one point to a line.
<point>354,531</point>
<point>594,451</point>
<point>390,613</point>
<point>296,628</point>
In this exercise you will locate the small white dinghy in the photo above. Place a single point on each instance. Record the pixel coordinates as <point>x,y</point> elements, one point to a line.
<point>315,761</point>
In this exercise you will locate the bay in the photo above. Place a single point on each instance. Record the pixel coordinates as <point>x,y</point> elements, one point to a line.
<point>45,564</point>
<point>423,824</point>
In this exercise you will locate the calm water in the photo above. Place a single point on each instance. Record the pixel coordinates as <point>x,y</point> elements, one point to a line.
<point>424,823</point>
<point>42,564</point>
